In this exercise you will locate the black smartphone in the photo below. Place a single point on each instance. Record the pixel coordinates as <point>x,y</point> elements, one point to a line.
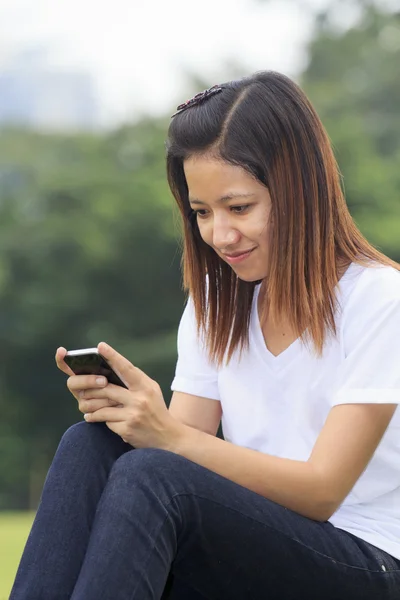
<point>89,361</point>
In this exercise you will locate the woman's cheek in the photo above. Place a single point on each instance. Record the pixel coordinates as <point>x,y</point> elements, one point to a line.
<point>205,233</point>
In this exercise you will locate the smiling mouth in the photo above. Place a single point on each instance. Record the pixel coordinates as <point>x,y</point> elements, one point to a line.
<point>238,257</point>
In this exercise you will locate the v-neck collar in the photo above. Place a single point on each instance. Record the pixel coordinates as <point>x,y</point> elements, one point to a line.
<point>295,349</point>
<point>282,359</point>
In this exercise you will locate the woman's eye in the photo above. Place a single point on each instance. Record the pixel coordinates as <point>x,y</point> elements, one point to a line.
<point>201,213</point>
<point>240,209</point>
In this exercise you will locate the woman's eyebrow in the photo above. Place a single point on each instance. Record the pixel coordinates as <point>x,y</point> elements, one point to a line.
<point>225,198</point>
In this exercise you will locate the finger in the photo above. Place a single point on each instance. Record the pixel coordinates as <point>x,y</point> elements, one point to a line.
<point>130,375</point>
<point>89,406</point>
<point>85,382</point>
<point>112,414</point>
<point>61,364</point>
<point>119,429</point>
<point>116,394</point>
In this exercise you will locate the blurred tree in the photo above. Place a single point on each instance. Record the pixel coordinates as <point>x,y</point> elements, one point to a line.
<point>88,252</point>
<point>352,78</point>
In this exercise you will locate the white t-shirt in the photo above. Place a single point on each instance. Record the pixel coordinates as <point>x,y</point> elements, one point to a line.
<point>278,404</point>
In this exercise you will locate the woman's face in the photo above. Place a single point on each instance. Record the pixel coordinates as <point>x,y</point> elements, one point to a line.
<point>233,210</point>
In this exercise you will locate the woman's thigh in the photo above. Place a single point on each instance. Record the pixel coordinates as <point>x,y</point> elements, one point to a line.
<point>176,589</point>
<point>234,544</point>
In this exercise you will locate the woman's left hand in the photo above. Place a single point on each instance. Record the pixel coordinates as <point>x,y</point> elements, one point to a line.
<point>142,419</point>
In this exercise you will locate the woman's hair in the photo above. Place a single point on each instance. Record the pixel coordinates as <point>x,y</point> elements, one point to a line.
<point>266,125</point>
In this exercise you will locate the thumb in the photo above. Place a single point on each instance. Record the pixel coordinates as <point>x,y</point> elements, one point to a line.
<point>61,364</point>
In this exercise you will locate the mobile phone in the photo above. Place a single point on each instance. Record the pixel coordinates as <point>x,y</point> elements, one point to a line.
<point>89,361</point>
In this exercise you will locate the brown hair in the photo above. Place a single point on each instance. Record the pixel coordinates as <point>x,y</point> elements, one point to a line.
<point>266,125</point>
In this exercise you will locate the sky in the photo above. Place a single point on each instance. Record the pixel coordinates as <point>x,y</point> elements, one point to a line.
<point>138,51</point>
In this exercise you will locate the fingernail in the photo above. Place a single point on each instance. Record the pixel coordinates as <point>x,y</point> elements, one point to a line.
<point>86,416</point>
<point>100,381</point>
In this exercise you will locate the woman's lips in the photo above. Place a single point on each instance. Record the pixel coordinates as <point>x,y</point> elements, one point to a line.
<point>238,257</point>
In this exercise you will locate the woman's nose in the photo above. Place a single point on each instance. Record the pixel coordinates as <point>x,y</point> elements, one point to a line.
<point>224,235</point>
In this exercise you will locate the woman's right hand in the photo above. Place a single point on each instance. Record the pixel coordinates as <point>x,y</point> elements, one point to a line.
<point>83,387</point>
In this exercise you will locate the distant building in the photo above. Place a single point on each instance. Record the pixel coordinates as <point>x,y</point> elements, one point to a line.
<point>42,97</point>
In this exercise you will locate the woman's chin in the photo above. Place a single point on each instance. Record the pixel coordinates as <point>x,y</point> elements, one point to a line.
<point>249,276</point>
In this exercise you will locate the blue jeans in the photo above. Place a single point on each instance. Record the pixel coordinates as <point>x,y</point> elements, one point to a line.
<point>115,523</point>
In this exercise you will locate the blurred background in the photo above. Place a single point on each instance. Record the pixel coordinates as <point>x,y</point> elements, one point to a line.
<point>89,237</point>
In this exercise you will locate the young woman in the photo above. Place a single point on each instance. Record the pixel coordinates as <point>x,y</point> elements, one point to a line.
<point>291,337</point>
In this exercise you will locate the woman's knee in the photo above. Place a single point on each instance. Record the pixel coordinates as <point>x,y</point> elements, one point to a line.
<point>80,432</point>
<point>150,465</point>
<point>92,437</point>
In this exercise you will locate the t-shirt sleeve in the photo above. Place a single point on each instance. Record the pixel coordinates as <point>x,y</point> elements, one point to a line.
<point>195,374</point>
<point>370,370</point>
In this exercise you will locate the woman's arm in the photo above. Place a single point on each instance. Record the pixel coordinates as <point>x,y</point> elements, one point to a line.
<point>198,412</point>
<point>314,488</point>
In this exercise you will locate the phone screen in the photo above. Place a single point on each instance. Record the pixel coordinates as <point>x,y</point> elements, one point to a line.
<point>92,364</point>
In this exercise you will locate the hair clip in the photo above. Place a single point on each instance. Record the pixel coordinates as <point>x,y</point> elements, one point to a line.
<point>198,98</point>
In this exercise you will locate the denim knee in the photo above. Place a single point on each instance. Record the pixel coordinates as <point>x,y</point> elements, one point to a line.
<point>146,459</point>
<point>83,433</point>
<point>149,465</point>
<point>92,439</point>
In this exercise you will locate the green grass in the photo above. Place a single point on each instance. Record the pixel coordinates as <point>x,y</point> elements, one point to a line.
<point>14,529</point>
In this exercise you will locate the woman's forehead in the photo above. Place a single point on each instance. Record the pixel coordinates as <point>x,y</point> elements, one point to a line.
<point>210,176</point>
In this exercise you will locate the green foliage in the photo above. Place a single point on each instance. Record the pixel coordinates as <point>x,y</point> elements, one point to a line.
<point>352,80</point>
<point>89,252</point>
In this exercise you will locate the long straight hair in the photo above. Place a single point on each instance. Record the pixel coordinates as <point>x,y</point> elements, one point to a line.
<point>266,125</point>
